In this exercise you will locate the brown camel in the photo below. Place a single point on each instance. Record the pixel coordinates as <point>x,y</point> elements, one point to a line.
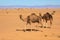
<point>33,18</point>
<point>48,17</point>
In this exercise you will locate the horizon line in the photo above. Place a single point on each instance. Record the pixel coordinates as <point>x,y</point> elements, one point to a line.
<point>24,6</point>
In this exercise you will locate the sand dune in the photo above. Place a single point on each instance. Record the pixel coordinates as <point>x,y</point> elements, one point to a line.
<point>10,21</point>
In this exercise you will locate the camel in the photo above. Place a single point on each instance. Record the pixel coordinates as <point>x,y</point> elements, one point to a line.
<point>33,18</point>
<point>48,17</point>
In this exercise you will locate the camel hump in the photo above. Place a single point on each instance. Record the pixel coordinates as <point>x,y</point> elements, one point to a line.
<point>47,13</point>
<point>33,14</point>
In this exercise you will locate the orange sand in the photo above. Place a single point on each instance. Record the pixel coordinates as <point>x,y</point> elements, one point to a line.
<point>10,21</point>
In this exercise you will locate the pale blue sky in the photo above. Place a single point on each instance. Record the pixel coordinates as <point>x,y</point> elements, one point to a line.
<point>29,2</point>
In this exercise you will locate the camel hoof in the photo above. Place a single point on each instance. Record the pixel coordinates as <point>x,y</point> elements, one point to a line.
<point>35,30</point>
<point>48,27</point>
<point>41,31</point>
<point>24,30</point>
<point>41,26</point>
<point>44,26</point>
<point>28,29</point>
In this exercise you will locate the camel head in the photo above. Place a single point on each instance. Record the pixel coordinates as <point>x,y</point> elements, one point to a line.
<point>33,14</point>
<point>53,13</point>
<point>39,14</point>
<point>21,17</point>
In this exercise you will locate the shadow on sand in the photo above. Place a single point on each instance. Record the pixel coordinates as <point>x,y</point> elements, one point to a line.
<point>24,30</point>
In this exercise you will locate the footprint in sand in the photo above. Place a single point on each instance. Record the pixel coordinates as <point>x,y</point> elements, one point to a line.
<point>58,36</point>
<point>45,35</point>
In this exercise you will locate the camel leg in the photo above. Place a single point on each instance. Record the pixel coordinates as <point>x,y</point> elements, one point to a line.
<point>45,23</point>
<point>28,23</point>
<point>41,24</point>
<point>50,23</point>
<point>36,25</point>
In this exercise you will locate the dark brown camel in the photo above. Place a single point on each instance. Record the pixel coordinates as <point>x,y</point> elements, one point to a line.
<point>48,17</point>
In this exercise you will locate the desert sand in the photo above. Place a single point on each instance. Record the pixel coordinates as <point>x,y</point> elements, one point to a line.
<point>10,21</point>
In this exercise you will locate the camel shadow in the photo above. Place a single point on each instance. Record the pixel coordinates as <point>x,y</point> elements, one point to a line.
<point>29,30</point>
<point>44,27</point>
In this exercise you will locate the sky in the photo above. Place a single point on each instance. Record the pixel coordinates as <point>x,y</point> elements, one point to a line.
<point>29,2</point>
